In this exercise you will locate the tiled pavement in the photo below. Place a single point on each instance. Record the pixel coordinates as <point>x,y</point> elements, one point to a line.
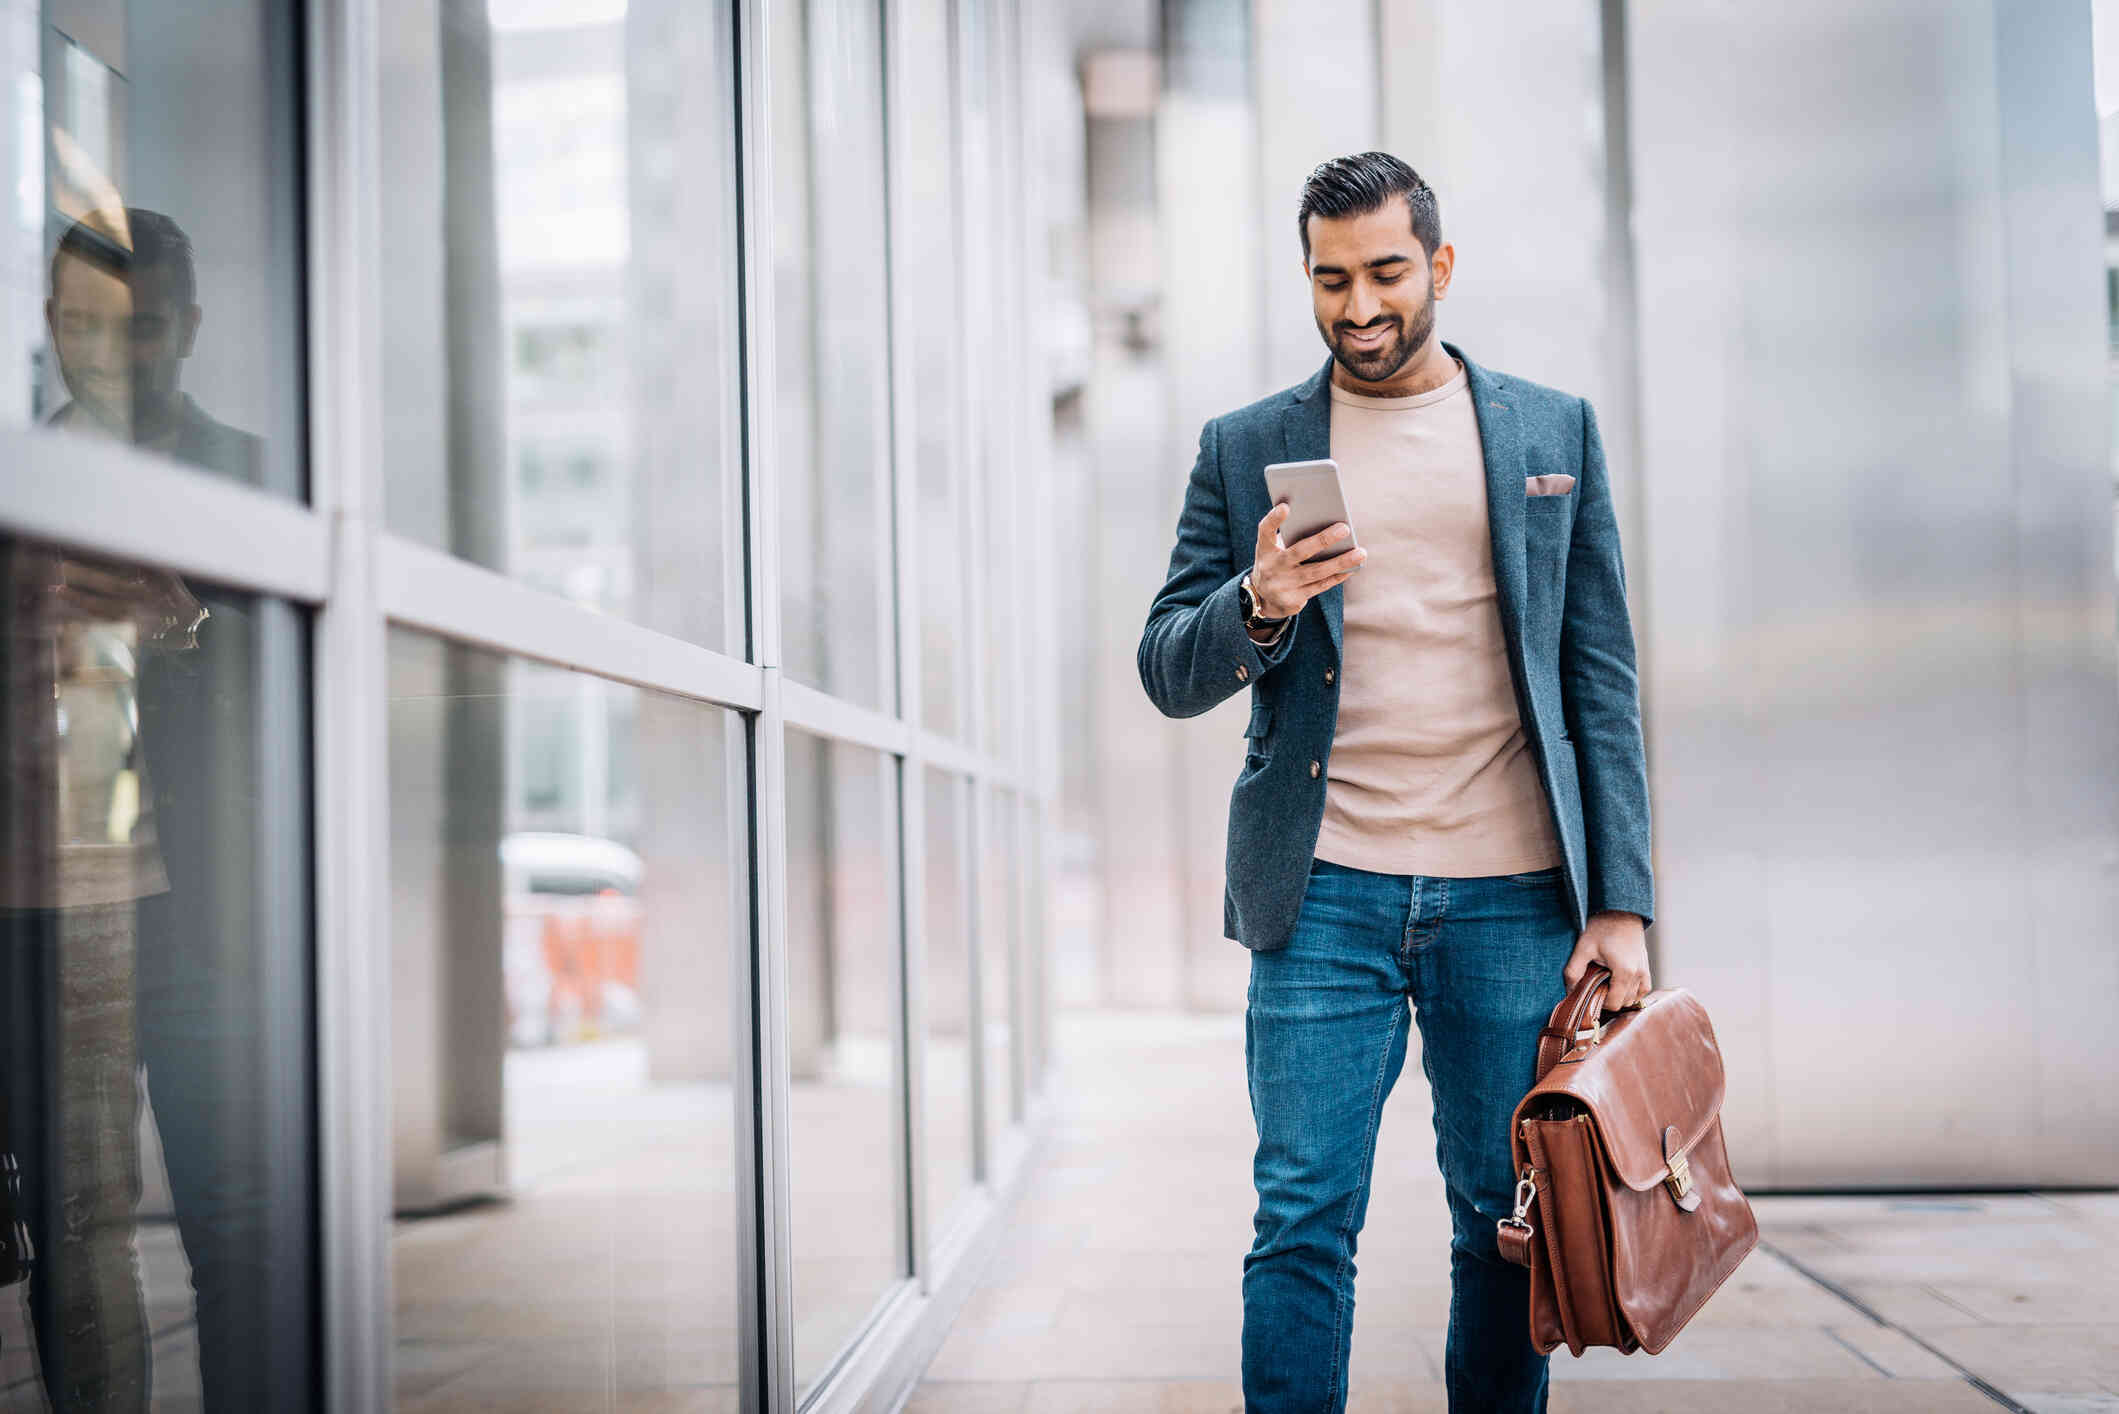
<point>1117,1290</point>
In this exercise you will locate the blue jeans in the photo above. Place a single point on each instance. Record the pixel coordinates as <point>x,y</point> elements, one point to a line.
<point>1324,1039</point>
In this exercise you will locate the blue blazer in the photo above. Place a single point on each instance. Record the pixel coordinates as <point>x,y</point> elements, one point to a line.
<point>1562,592</point>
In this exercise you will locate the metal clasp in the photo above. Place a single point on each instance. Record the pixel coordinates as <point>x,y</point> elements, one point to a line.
<point>1526,1192</point>
<point>1680,1178</point>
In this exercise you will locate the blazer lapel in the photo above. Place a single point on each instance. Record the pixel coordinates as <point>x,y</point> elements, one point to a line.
<point>1306,428</point>
<point>1500,439</point>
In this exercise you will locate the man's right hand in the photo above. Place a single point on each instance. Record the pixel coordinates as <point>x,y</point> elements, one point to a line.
<point>1280,581</point>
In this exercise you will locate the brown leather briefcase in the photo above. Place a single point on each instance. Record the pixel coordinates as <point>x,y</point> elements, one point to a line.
<point>1625,1210</point>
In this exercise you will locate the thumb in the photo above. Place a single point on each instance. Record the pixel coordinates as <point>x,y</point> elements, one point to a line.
<point>1269,528</point>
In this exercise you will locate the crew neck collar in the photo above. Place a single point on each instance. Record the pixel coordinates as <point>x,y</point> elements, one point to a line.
<point>1404,401</point>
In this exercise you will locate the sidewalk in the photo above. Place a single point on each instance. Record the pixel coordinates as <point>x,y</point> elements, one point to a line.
<point>1118,1288</point>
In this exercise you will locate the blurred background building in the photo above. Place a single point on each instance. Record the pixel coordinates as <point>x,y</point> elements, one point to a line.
<point>1829,273</point>
<point>569,643</point>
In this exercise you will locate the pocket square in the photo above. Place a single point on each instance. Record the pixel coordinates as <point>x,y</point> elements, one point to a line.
<point>1553,483</point>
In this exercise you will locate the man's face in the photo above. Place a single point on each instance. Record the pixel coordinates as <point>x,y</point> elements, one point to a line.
<point>121,341</point>
<point>1373,289</point>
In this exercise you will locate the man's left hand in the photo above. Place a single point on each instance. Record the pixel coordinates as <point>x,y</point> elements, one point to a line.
<point>1619,940</point>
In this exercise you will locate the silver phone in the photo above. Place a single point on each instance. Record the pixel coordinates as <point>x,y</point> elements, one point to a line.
<point>1315,502</point>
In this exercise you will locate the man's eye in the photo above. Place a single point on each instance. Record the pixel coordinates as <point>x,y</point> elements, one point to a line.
<point>1330,286</point>
<point>1388,279</point>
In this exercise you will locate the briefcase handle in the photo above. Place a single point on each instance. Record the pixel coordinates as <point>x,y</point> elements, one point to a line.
<point>1578,1020</point>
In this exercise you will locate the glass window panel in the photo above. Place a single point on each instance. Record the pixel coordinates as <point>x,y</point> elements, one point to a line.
<point>926,190</point>
<point>150,230</point>
<point>155,927</point>
<point>997,957</point>
<point>948,981</point>
<point>829,320</point>
<point>561,1048</point>
<point>560,318</point>
<point>842,962</point>
<point>988,438</point>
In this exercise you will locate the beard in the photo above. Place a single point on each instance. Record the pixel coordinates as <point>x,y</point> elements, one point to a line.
<point>1375,365</point>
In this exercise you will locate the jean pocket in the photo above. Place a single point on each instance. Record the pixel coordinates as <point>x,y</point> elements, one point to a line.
<point>1535,879</point>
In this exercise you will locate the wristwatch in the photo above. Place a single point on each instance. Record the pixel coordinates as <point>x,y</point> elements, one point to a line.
<point>1252,619</point>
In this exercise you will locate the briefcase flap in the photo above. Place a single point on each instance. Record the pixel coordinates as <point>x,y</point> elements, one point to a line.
<point>1656,1068</point>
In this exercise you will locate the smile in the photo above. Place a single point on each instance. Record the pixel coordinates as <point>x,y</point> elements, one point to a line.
<point>1368,339</point>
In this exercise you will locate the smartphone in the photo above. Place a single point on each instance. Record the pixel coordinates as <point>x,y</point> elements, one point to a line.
<point>1315,501</point>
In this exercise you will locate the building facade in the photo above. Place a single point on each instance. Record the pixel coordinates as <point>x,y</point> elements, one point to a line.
<point>529,775</point>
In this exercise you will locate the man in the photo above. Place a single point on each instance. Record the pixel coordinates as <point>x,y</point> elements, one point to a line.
<point>124,316</point>
<point>1445,796</point>
<point>120,935</point>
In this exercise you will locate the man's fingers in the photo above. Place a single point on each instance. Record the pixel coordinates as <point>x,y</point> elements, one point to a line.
<point>1626,989</point>
<point>1325,539</point>
<point>1344,564</point>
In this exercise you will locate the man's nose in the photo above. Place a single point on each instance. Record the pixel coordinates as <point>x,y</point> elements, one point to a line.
<point>1362,307</point>
<point>111,347</point>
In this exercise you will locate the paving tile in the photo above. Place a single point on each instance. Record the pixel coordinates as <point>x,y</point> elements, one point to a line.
<point>1910,1304</point>
<point>1222,1396</point>
<point>1154,1304</point>
<point>2031,1302</point>
<point>1396,1397</point>
<point>1893,1352</point>
<point>1024,1307</point>
<point>2057,1359</point>
<point>1871,1396</point>
<point>2070,1403</point>
<point>1705,1352</point>
<point>967,1397</point>
<point>1388,1352</point>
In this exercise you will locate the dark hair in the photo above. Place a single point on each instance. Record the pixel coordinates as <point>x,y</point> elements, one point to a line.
<point>1351,186</point>
<point>156,243</point>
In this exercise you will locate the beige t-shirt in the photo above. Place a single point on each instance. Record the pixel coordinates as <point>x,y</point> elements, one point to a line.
<point>1429,772</point>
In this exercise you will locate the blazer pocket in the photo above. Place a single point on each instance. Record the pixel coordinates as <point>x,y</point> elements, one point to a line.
<point>1552,483</point>
<point>1261,721</point>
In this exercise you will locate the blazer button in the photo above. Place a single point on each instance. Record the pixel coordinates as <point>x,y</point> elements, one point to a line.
<point>1314,769</point>
<point>1242,672</point>
<point>1327,677</point>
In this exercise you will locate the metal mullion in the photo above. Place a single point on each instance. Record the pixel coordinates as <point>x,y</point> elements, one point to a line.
<point>1040,759</point>
<point>912,789</point>
<point>349,676</point>
<point>1009,138</point>
<point>766,1298</point>
<point>102,496</point>
<point>949,754</point>
<point>969,507</point>
<point>818,712</point>
<point>970,791</point>
<point>424,588</point>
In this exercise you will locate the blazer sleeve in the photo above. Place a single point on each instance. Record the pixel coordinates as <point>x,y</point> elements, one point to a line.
<point>1193,651</point>
<point>1600,696</point>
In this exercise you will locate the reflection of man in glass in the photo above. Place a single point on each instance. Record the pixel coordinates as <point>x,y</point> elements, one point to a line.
<point>124,316</point>
<point>123,853</point>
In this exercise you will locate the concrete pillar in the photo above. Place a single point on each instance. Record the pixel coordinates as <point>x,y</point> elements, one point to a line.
<point>1318,87</point>
<point>1126,543</point>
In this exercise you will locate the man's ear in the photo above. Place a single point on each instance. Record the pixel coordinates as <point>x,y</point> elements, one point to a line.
<point>1442,266</point>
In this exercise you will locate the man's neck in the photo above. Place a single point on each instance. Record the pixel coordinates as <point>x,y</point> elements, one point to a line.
<point>1423,373</point>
